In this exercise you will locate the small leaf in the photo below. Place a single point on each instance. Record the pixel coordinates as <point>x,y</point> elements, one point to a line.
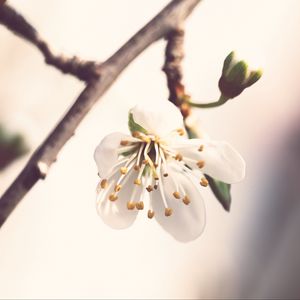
<point>135,126</point>
<point>227,62</point>
<point>221,190</point>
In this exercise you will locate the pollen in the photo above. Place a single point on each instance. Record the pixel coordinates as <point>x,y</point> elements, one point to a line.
<point>146,139</point>
<point>123,170</point>
<point>130,205</point>
<point>155,186</point>
<point>186,200</point>
<point>104,183</point>
<point>176,195</point>
<point>150,214</point>
<point>168,211</point>
<point>149,188</point>
<point>178,157</point>
<point>145,161</point>
<point>136,167</point>
<point>124,143</point>
<point>118,188</point>
<point>156,178</point>
<point>201,148</point>
<point>180,131</point>
<point>156,140</point>
<point>201,164</point>
<point>139,205</point>
<point>137,181</point>
<point>113,197</point>
<point>166,175</point>
<point>204,182</point>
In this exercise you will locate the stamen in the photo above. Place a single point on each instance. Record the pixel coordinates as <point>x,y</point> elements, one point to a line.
<point>155,186</point>
<point>137,181</point>
<point>123,170</point>
<point>150,214</point>
<point>166,174</point>
<point>130,205</point>
<point>124,143</point>
<point>178,157</point>
<point>186,200</point>
<point>204,182</point>
<point>201,164</point>
<point>118,188</point>
<point>145,161</point>
<point>176,195</point>
<point>149,188</point>
<point>146,139</point>
<point>180,131</point>
<point>139,156</point>
<point>201,148</point>
<point>136,134</point>
<point>136,167</point>
<point>168,211</point>
<point>113,197</point>
<point>139,205</point>
<point>104,183</point>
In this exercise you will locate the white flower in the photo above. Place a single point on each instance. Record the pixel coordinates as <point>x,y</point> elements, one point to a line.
<point>158,168</point>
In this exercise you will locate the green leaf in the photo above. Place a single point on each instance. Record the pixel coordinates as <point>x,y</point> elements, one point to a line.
<point>135,126</point>
<point>221,190</point>
<point>227,62</point>
<point>238,73</point>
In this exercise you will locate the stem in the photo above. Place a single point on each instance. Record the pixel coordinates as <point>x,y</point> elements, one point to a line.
<point>222,100</point>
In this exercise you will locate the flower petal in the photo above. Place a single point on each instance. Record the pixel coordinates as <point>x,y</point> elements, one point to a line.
<point>158,119</point>
<point>106,155</point>
<point>221,160</point>
<point>115,213</point>
<point>187,221</point>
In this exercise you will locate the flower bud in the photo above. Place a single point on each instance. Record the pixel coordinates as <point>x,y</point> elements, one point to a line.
<point>236,76</point>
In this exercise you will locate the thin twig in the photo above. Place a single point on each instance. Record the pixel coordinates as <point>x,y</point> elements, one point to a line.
<point>84,70</point>
<point>168,20</point>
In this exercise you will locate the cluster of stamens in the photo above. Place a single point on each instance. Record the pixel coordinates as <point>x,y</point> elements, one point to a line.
<point>147,156</point>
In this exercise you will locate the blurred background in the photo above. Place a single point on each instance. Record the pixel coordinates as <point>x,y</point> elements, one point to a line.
<point>55,246</point>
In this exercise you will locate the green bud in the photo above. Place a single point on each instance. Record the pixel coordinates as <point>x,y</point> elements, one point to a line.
<point>236,76</point>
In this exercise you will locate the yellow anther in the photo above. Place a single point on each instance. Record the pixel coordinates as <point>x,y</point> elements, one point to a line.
<point>104,183</point>
<point>166,175</point>
<point>156,139</point>
<point>204,182</point>
<point>113,197</point>
<point>201,148</point>
<point>149,188</point>
<point>168,212</point>
<point>130,205</point>
<point>146,139</point>
<point>124,143</point>
<point>139,205</point>
<point>123,170</point>
<point>136,134</point>
<point>178,157</point>
<point>137,181</point>
<point>201,164</point>
<point>136,167</point>
<point>145,161</point>
<point>180,131</point>
<point>150,214</point>
<point>118,188</point>
<point>176,195</point>
<point>186,200</point>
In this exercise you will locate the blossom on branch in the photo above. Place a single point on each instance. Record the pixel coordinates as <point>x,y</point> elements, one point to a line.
<point>159,169</point>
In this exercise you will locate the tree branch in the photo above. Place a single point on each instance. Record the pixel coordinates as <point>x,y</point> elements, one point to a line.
<point>173,58</point>
<point>168,20</point>
<point>84,70</point>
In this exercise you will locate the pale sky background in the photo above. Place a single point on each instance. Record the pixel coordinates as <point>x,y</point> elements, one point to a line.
<point>54,245</point>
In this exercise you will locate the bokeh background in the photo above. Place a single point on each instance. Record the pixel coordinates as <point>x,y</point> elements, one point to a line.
<point>55,246</point>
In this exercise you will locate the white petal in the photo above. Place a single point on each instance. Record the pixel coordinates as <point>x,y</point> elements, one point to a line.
<point>158,119</point>
<point>115,213</point>
<point>187,221</point>
<point>222,161</point>
<point>106,155</point>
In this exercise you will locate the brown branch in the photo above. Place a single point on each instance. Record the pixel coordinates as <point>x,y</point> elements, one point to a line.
<point>84,70</point>
<point>173,57</point>
<point>168,20</point>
